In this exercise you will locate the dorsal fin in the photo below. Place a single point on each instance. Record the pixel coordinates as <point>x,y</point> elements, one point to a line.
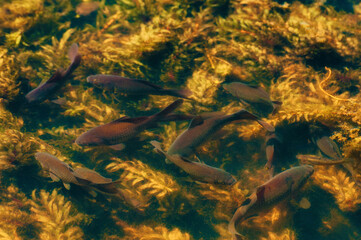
<point>130,120</point>
<point>195,122</point>
<point>186,159</point>
<point>148,83</point>
<point>73,52</point>
<point>260,193</point>
<point>56,77</point>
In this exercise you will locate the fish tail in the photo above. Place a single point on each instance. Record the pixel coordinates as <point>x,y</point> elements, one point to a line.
<point>162,114</point>
<point>276,105</point>
<point>75,59</point>
<point>232,229</point>
<point>183,93</point>
<point>243,114</point>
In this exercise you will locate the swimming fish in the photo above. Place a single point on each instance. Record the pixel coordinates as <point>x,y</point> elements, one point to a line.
<point>328,147</point>
<point>135,86</point>
<point>123,129</point>
<point>198,171</point>
<point>57,80</point>
<point>250,93</point>
<point>97,181</point>
<point>59,170</point>
<point>200,129</point>
<point>86,8</point>
<point>273,146</point>
<point>266,196</point>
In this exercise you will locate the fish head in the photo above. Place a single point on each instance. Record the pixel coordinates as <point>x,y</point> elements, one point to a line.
<point>43,160</point>
<point>89,139</point>
<point>92,79</point>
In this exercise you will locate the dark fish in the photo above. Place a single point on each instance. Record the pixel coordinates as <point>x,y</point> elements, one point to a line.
<point>250,93</point>
<point>86,8</point>
<point>57,80</point>
<point>123,129</point>
<point>201,129</point>
<point>59,170</point>
<point>266,196</point>
<point>135,86</point>
<point>198,171</point>
<point>273,146</point>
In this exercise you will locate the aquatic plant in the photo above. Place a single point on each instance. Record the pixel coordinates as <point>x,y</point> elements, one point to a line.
<point>143,180</point>
<point>144,232</point>
<point>9,74</point>
<point>55,216</point>
<point>342,187</point>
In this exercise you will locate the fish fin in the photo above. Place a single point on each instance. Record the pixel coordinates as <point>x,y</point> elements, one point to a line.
<point>276,105</point>
<point>170,108</point>
<point>196,122</point>
<point>197,159</point>
<point>246,202</point>
<point>54,177</point>
<point>93,193</point>
<point>81,180</point>
<point>260,193</point>
<point>158,148</point>
<point>266,125</point>
<point>187,160</point>
<point>270,149</point>
<point>304,203</point>
<point>59,101</point>
<point>148,84</point>
<point>118,147</point>
<point>73,51</point>
<point>66,185</point>
<point>130,120</point>
<point>183,93</point>
<point>56,77</point>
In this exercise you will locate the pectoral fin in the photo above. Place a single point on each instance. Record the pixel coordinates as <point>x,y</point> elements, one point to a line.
<point>118,147</point>
<point>66,185</point>
<point>54,177</point>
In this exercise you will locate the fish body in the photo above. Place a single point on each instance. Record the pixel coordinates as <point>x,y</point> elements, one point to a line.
<point>269,194</point>
<point>250,93</point>
<point>273,146</point>
<point>134,86</point>
<point>328,147</point>
<point>57,80</point>
<point>58,170</point>
<point>86,8</point>
<point>198,171</point>
<point>123,129</point>
<point>97,181</point>
<point>200,129</point>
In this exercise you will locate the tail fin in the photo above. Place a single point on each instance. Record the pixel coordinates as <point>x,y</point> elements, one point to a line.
<point>75,59</point>
<point>183,93</point>
<point>243,114</point>
<point>162,114</point>
<point>266,126</point>
<point>276,105</point>
<point>232,229</point>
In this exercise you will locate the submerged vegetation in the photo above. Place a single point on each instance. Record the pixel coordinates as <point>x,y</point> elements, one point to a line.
<point>306,54</point>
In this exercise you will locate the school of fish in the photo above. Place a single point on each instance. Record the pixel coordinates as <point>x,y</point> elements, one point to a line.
<point>116,134</point>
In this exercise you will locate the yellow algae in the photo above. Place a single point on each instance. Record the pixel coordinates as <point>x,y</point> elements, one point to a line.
<point>286,234</point>
<point>55,216</point>
<point>9,73</point>
<point>341,186</point>
<point>144,232</point>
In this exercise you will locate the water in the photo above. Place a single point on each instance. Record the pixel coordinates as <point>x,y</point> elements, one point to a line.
<point>304,54</point>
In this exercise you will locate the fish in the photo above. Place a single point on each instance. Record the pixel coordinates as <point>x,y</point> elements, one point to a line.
<point>97,181</point>
<point>123,129</point>
<point>202,128</point>
<point>57,80</point>
<point>328,147</point>
<point>135,86</point>
<point>197,170</point>
<point>273,146</point>
<point>265,197</point>
<point>86,8</point>
<point>251,94</point>
<point>59,170</point>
